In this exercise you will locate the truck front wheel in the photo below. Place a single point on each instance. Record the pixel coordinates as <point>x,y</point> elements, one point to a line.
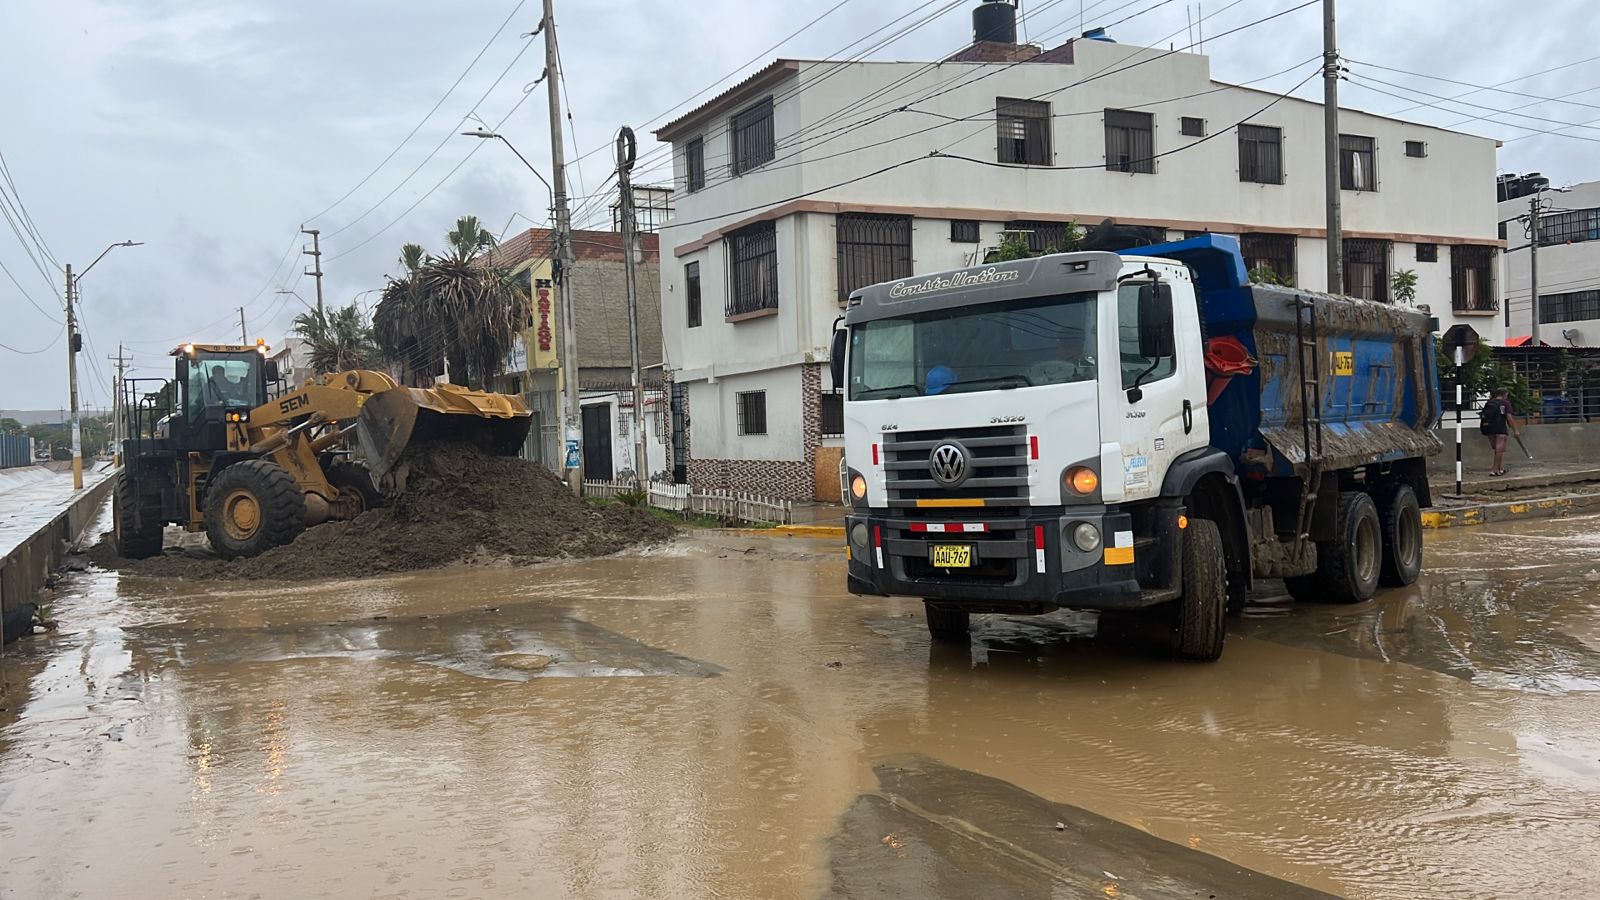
<point>1348,565</point>
<point>1201,613</point>
<point>946,625</point>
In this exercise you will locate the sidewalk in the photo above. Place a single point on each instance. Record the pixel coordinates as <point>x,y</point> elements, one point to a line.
<point>30,498</point>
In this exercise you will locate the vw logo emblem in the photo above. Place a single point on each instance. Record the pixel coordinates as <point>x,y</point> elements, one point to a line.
<point>948,463</point>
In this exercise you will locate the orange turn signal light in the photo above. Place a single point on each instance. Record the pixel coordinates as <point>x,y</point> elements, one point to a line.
<point>1183,522</point>
<point>858,487</point>
<point>1082,480</point>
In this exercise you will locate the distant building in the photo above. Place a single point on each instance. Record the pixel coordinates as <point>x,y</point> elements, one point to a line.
<point>806,181</point>
<point>604,353</point>
<point>293,356</point>
<point>1569,261</point>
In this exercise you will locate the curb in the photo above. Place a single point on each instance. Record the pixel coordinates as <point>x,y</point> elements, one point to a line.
<point>1546,508</point>
<point>818,531</point>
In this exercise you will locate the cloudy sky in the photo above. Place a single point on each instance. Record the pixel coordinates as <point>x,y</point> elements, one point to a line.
<point>212,129</point>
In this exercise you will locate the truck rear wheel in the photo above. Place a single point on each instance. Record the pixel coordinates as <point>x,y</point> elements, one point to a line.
<point>1400,519</point>
<point>1347,566</point>
<point>253,506</point>
<point>138,523</point>
<point>1201,613</point>
<point>946,625</point>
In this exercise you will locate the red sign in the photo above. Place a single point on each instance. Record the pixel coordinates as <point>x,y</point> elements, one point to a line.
<point>544,319</point>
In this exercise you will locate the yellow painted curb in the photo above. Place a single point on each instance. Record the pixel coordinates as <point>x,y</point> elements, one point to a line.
<point>1505,512</point>
<point>820,531</point>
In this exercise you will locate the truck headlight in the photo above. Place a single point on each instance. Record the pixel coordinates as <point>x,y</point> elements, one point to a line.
<point>1086,537</point>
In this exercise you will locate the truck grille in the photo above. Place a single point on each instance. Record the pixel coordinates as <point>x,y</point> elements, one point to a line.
<point>997,457</point>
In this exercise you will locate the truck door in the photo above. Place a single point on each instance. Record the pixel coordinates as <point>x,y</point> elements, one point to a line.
<point>1154,388</point>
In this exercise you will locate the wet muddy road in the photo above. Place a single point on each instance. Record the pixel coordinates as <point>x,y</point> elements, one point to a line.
<point>721,720</point>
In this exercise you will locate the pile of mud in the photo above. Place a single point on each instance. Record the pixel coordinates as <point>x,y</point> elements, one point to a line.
<point>459,506</point>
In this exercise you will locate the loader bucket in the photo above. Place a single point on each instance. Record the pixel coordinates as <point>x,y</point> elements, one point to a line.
<point>395,419</point>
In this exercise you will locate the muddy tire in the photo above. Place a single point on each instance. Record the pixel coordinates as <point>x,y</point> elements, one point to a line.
<point>354,481</point>
<point>1347,566</point>
<point>252,507</point>
<point>948,626</point>
<point>137,522</point>
<point>1201,613</point>
<point>1400,521</point>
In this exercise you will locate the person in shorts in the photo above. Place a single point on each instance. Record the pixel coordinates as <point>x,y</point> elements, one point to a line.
<point>1496,421</point>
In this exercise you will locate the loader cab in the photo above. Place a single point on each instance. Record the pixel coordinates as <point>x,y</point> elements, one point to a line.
<point>217,386</point>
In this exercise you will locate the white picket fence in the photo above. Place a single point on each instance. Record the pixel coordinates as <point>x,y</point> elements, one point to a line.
<point>725,506</point>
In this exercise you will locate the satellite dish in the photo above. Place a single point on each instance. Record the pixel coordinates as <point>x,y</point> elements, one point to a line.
<point>1572,335</point>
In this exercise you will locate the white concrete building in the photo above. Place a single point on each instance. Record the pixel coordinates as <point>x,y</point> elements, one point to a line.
<point>808,180</point>
<point>1569,266</point>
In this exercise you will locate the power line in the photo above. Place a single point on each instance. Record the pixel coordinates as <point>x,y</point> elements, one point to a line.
<point>1492,109</point>
<point>435,151</point>
<point>27,218</point>
<point>476,147</point>
<point>1360,82</point>
<point>28,247</point>
<point>424,120</point>
<point>26,296</point>
<point>1480,87</point>
<point>46,347</point>
<point>1500,84</point>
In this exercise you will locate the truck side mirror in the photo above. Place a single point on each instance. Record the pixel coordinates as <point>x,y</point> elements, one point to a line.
<point>269,370</point>
<point>836,357</point>
<point>1155,320</point>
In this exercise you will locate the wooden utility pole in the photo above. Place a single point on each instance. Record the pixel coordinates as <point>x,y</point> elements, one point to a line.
<point>572,419</point>
<point>1330,148</point>
<point>117,411</point>
<point>627,151</point>
<point>73,342</point>
<point>316,254</point>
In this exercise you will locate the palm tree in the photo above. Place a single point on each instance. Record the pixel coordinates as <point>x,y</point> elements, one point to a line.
<point>469,238</point>
<point>339,342</point>
<point>456,308</point>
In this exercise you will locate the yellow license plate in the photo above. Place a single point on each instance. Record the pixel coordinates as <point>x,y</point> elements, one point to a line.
<point>952,556</point>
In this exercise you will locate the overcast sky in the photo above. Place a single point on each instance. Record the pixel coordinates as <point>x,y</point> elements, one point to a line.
<point>211,129</point>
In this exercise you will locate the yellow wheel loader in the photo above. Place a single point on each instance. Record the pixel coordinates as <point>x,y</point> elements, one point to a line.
<point>212,452</point>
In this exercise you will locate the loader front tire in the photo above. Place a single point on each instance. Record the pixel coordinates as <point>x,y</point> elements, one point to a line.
<point>354,482</point>
<point>138,522</point>
<point>252,507</point>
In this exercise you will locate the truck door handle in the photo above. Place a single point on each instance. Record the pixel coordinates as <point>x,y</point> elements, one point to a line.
<point>1188,417</point>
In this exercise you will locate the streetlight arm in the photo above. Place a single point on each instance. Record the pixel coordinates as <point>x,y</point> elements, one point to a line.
<point>79,276</point>
<point>485,134</point>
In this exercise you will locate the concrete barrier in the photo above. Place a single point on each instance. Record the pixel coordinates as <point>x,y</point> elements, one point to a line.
<point>24,571</point>
<point>1565,445</point>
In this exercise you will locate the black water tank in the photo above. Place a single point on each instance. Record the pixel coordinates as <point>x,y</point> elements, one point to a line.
<point>995,20</point>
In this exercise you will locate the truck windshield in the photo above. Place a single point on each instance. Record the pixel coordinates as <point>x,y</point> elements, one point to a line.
<point>224,381</point>
<point>1018,343</point>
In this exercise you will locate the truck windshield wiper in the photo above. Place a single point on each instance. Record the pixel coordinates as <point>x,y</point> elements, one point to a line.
<point>1013,380</point>
<point>894,389</point>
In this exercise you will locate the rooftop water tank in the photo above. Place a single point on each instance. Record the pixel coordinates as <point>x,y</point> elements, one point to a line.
<point>995,20</point>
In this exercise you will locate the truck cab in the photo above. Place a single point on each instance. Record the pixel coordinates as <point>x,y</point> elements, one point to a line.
<point>1041,434</point>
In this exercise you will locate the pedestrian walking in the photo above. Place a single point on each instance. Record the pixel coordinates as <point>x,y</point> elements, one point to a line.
<point>1496,420</point>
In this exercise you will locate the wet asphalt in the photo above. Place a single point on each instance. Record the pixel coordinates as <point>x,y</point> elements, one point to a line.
<point>720,719</point>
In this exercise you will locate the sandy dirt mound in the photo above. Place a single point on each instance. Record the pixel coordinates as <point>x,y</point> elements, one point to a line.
<point>459,505</point>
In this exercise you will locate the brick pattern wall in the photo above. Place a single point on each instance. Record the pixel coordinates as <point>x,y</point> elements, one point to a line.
<point>785,479</point>
<point>811,418</point>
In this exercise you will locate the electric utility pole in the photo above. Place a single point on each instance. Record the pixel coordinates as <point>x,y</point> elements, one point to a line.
<point>627,151</point>
<point>1330,148</point>
<point>244,333</point>
<point>1533,265</point>
<point>72,380</point>
<point>572,421</point>
<point>117,412</point>
<point>316,254</point>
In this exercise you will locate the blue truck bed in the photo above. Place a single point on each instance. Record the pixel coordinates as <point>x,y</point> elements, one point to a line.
<point>1378,398</point>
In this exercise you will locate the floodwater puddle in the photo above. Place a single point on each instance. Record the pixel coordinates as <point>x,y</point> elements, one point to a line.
<point>512,643</point>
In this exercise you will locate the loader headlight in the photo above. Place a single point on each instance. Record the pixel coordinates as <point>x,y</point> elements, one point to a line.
<point>1086,537</point>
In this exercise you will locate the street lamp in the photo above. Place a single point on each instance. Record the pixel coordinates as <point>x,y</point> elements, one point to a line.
<point>572,433</point>
<point>487,135</point>
<point>74,342</point>
<point>303,301</point>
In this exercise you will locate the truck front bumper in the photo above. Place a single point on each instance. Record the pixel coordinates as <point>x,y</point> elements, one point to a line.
<point>1024,564</point>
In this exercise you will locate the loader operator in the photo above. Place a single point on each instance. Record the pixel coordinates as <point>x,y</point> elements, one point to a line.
<point>228,390</point>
